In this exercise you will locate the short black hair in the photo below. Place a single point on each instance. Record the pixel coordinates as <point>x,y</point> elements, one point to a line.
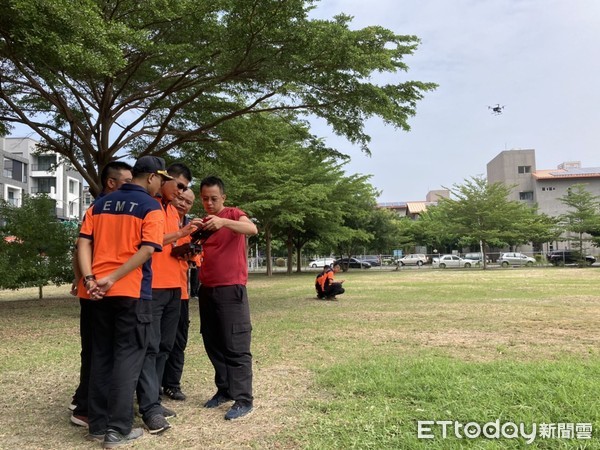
<point>213,181</point>
<point>177,169</point>
<point>110,170</point>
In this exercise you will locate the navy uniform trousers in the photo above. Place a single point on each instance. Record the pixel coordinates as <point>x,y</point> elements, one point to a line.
<point>85,332</point>
<point>226,331</point>
<point>176,360</point>
<point>166,304</point>
<point>120,335</point>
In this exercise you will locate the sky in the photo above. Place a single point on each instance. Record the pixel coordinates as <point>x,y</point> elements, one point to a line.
<point>540,59</point>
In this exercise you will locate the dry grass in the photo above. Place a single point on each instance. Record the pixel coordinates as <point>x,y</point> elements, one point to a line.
<point>513,315</point>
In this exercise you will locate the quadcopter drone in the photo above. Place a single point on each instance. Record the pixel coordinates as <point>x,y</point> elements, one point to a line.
<point>496,110</point>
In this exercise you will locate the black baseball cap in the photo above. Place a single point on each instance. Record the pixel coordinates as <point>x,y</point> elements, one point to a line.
<point>152,164</point>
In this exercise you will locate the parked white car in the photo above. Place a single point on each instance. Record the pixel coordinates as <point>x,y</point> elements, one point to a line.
<point>321,262</point>
<point>445,261</point>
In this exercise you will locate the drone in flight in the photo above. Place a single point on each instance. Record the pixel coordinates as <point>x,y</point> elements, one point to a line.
<point>496,110</point>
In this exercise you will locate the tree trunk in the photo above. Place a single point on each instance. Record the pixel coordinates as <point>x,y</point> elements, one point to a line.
<point>298,258</point>
<point>268,251</point>
<point>40,292</point>
<point>290,253</point>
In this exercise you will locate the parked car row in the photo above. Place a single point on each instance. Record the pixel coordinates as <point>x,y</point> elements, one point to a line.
<point>506,259</point>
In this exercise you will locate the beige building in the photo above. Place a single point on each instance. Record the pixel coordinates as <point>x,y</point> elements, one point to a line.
<point>543,187</point>
<point>415,209</point>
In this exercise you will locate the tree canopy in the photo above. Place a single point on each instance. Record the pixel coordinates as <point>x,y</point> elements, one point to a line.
<point>583,215</point>
<point>107,79</point>
<point>284,178</point>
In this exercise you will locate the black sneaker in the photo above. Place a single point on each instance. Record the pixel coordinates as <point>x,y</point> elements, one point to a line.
<point>113,438</point>
<point>217,400</point>
<point>95,437</point>
<point>175,394</point>
<point>157,424</point>
<point>168,413</point>
<point>239,409</point>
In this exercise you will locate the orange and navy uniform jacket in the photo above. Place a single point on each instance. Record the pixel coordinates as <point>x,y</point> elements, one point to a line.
<point>166,268</point>
<point>324,279</point>
<point>81,290</point>
<point>121,222</point>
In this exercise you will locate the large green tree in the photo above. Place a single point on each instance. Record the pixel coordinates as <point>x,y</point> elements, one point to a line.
<point>35,249</point>
<point>356,231</point>
<point>102,78</point>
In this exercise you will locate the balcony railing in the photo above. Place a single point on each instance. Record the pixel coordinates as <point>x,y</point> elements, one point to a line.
<point>42,167</point>
<point>41,190</point>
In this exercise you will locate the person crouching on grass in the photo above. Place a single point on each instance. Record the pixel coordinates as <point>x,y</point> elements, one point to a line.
<point>325,285</point>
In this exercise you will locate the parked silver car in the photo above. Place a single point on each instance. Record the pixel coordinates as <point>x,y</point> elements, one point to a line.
<point>451,261</point>
<point>515,259</point>
<point>414,259</point>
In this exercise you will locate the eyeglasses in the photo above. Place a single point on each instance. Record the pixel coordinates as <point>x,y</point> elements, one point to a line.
<point>118,180</point>
<point>182,187</point>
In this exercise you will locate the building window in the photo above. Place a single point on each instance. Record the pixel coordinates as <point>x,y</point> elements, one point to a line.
<point>45,185</point>
<point>527,195</point>
<point>45,163</point>
<point>549,188</point>
<point>13,197</point>
<point>87,199</point>
<point>8,168</point>
<point>72,187</point>
<point>15,170</point>
<point>524,169</point>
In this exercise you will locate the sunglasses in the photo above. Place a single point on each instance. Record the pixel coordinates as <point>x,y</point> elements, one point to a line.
<point>182,187</point>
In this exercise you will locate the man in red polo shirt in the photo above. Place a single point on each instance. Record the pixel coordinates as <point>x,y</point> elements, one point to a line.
<point>115,246</point>
<point>224,310</point>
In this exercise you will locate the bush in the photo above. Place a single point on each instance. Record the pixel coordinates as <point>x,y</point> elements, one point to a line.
<point>280,262</point>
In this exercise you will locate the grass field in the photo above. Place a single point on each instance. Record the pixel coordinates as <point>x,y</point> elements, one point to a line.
<point>501,346</point>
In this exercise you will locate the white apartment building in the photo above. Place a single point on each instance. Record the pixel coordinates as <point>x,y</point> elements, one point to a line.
<point>25,171</point>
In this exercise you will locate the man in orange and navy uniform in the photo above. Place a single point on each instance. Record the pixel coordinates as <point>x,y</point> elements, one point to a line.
<point>326,286</point>
<point>114,175</point>
<point>171,380</point>
<point>114,251</point>
<point>166,303</point>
